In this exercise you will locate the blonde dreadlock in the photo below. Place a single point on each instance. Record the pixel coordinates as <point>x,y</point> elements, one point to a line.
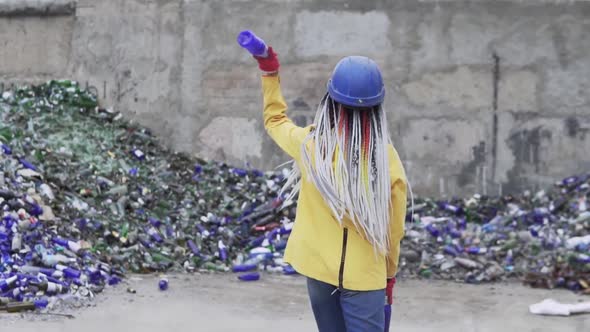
<point>345,157</point>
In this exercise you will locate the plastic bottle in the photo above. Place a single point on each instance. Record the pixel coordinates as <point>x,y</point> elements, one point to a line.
<point>169,231</point>
<point>435,232</point>
<point>18,307</point>
<point>257,241</point>
<point>193,247</point>
<point>41,303</point>
<point>569,180</point>
<point>16,294</point>
<point>451,250</point>
<point>260,254</point>
<point>73,246</point>
<point>509,261</point>
<point>6,149</point>
<point>273,233</point>
<point>4,300</point>
<point>281,245</point>
<point>52,260</point>
<point>466,263</point>
<point>573,242</point>
<point>289,270</point>
<point>27,164</point>
<point>273,269</point>
<point>145,242</point>
<point>49,287</point>
<point>17,240</point>
<point>46,191</point>
<point>582,217</point>
<point>118,190</point>
<point>250,276</point>
<point>46,271</point>
<point>163,284</point>
<point>256,259</point>
<point>287,228</point>
<point>238,171</point>
<point>155,222</point>
<point>154,234</point>
<point>244,267</point>
<point>452,230</point>
<point>134,171</point>
<point>489,228</point>
<point>252,43</point>
<point>462,223</point>
<point>451,208</point>
<point>476,250</point>
<point>138,154</point>
<point>204,232</point>
<point>8,283</point>
<point>222,250</point>
<point>68,272</point>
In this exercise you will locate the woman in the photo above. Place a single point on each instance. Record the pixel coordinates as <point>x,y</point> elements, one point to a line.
<point>352,195</point>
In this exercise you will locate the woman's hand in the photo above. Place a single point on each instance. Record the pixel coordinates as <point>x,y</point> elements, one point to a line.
<point>270,64</point>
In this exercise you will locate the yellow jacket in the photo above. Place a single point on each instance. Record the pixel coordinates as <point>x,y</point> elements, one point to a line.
<point>319,247</point>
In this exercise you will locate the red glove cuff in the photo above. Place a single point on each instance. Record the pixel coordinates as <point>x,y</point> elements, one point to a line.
<point>269,64</point>
<point>389,290</point>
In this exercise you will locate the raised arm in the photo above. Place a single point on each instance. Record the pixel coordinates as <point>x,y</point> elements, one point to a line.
<point>398,211</point>
<point>281,129</point>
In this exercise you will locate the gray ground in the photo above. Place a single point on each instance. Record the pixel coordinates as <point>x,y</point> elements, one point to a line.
<point>278,303</point>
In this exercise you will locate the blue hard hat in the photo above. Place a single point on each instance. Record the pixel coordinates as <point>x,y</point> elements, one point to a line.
<point>357,82</point>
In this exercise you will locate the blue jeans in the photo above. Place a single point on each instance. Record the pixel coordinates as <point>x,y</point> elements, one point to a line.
<point>344,310</point>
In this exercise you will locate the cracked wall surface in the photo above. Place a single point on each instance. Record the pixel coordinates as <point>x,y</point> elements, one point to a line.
<point>482,96</point>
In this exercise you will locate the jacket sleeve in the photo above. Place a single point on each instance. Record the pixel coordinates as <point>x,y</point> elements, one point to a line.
<point>397,213</point>
<point>281,129</point>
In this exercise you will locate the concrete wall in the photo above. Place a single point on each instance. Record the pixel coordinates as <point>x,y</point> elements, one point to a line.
<point>483,95</point>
